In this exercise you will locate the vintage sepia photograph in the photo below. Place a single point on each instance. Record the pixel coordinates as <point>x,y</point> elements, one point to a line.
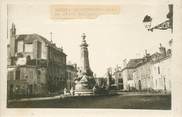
<point>93,56</point>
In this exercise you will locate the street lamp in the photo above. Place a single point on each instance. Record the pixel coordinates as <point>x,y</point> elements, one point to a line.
<point>168,24</point>
<point>147,22</point>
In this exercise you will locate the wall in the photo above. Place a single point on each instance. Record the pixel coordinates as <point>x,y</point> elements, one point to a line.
<point>162,77</point>
<point>127,76</point>
<point>142,77</point>
<point>26,81</point>
<point>56,69</point>
<point>118,76</point>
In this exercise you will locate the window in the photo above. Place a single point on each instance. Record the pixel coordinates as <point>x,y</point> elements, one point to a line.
<point>38,75</point>
<point>17,75</point>
<point>158,70</point>
<point>28,59</point>
<point>39,49</point>
<point>120,80</point>
<point>69,76</point>
<point>20,46</point>
<point>11,75</point>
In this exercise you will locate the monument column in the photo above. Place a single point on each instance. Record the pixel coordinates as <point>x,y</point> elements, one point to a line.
<point>85,66</point>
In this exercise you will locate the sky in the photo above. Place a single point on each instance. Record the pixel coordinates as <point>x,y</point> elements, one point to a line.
<point>111,38</point>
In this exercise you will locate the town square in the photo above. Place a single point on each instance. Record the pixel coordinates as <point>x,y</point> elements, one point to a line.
<point>95,67</point>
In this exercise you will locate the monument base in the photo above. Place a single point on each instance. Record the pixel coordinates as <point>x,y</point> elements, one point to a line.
<point>81,90</point>
<point>83,93</point>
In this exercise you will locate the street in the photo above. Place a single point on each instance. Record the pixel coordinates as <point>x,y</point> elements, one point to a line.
<point>113,102</point>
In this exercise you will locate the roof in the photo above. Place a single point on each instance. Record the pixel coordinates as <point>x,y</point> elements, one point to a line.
<point>154,58</point>
<point>156,54</point>
<point>29,38</point>
<point>133,63</point>
<point>157,57</point>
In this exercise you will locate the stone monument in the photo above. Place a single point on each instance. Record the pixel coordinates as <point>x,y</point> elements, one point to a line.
<point>85,81</point>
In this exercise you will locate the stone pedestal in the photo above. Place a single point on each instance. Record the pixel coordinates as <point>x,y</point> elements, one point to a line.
<point>84,86</point>
<point>81,90</point>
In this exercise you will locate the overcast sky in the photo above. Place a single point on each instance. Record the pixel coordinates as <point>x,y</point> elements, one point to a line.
<point>111,38</point>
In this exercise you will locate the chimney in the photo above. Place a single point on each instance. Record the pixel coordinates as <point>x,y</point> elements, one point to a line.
<point>162,50</point>
<point>146,52</point>
<point>75,65</point>
<point>147,56</point>
<point>170,42</point>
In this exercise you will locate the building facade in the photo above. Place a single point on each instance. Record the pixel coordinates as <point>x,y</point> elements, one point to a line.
<point>161,70</point>
<point>26,80</point>
<point>101,82</point>
<point>118,78</point>
<point>127,72</point>
<point>35,65</point>
<point>151,72</point>
<point>71,71</point>
<point>142,74</point>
